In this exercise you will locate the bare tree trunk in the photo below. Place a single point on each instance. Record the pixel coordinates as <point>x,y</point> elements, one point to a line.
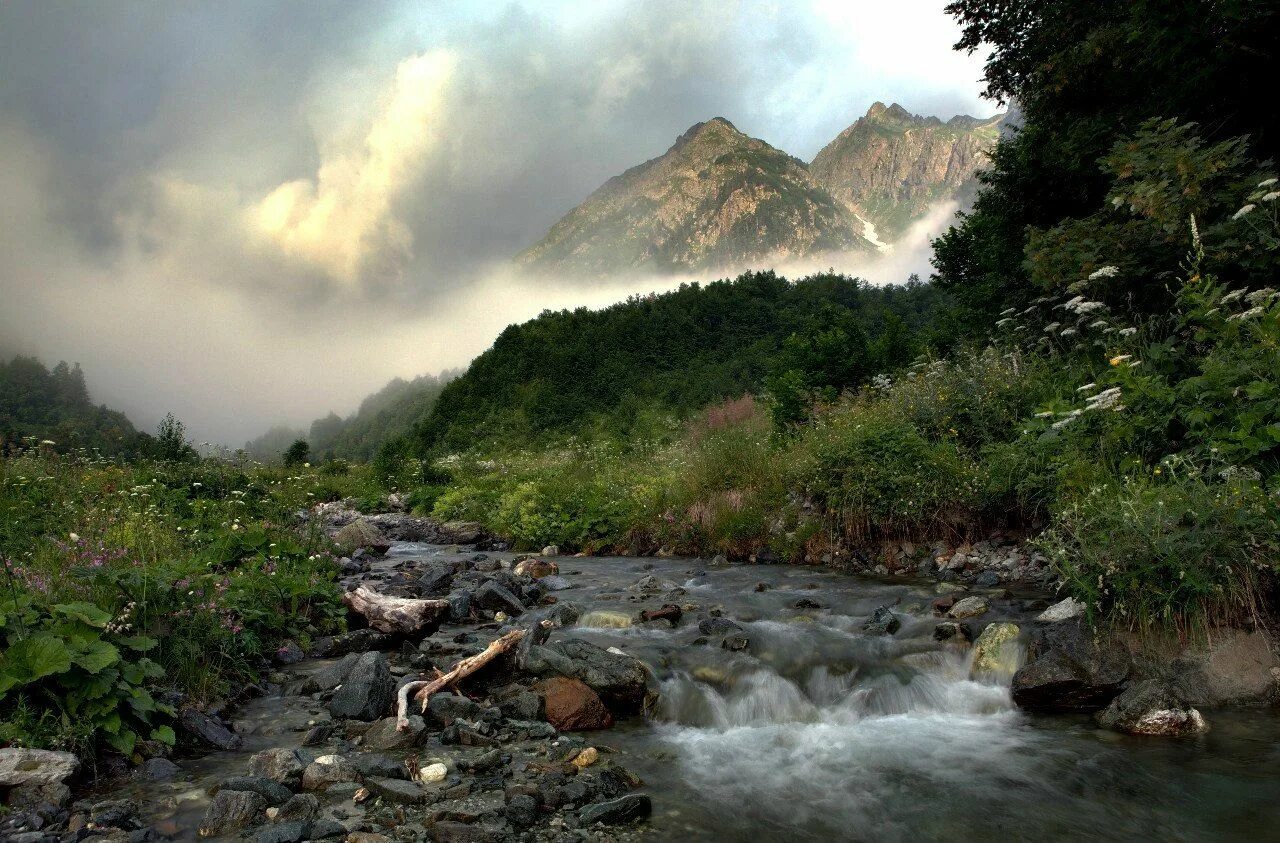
<point>394,614</point>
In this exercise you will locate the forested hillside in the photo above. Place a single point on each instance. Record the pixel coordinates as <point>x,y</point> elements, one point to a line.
<point>54,405</point>
<point>680,351</point>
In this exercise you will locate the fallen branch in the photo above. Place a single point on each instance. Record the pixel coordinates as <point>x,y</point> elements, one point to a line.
<point>402,615</point>
<point>463,669</point>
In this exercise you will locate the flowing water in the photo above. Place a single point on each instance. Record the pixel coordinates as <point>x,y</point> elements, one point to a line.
<point>818,731</point>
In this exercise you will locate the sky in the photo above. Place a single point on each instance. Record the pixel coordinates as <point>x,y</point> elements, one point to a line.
<point>254,213</point>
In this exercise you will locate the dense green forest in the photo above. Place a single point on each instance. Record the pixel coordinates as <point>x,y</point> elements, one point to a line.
<point>386,415</point>
<point>54,405</point>
<point>680,351</point>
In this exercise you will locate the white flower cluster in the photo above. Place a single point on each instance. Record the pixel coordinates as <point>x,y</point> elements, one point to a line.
<point>1104,272</point>
<point>1108,399</point>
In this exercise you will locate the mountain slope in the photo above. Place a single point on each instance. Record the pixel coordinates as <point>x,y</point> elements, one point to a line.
<point>891,165</point>
<point>54,404</point>
<point>716,199</point>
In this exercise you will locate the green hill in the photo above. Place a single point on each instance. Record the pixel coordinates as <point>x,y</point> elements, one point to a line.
<point>54,405</point>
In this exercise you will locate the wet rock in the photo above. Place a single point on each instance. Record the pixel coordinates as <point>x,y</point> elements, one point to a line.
<point>951,631</point>
<point>35,766</point>
<point>384,735</point>
<point>368,691</point>
<point>969,607</point>
<point>625,809</point>
<point>987,579</point>
<point>522,810</point>
<point>1069,669</point>
<point>942,605</point>
<point>328,770</point>
<point>882,622</point>
<point>495,597</point>
<point>280,765</point>
<point>1233,667</point>
<point>555,583</point>
<point>203,729</point>
<point>460,606</point>
<point>288,653</point>
<point>586,758</point>
<point>766,557</point>
<point>115,813</point>
<point>43,799</point>
<point>232,810</point>
<point>717,626</point>
<point>536,568</point>
<point>300,806</point>
<point>669,612</point>
<point>571,705</point>
<point>435,579</point>
<point>325,829</point>
<point>806,603</point>
<point>362,534</point>
<point>735,642</point>
<point>551,550</point>
<point>397,791</point>
<point>432,773</point>
<point>447,708</point>
<point>620,680</point>
<point>997,650</point>
<point>274,793</point>
<point>450,831</point>
<point>283,832</point>
<point>1064,610</point>
<point>524,705</point>
<point>605,619</point>
<point>461,532</point>
<point>1151,708</point>
<point>378,766</point>
<point>156,770</point>
<point>356,641</point>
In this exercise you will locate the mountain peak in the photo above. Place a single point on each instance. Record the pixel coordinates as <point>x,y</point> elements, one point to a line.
<point>881,112</point>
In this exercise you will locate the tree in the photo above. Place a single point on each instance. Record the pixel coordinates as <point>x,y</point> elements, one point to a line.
<point>170,444</point>
<point>296,454</point>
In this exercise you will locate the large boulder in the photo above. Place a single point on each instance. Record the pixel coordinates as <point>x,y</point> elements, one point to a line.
<point>620,680</point>
<point>494,596</point>
<point>232,810</point>
<point>536,568</point>
<point>1151,707</point>
<point>329,770</point>
<point>570,705</point>
<point>1070,668</point>
<point>367,692</point>
<point>280,765</point>
<point>35,767</point>
<point>206,730</point>
<point>998,651</point>
<point>362,534</point>
<point>1232,667</point>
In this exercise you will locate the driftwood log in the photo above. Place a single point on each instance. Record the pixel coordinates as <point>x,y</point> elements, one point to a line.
<point>402,615</point>
<point>423,690</point>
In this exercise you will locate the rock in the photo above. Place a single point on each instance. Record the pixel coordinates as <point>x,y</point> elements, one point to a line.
<point>495,597</point>
<point>806,603</point>
<point>942,605</point>
<point>288,653</point>
<point>39,797</point>
<point>525,705</point>
<point>969,607</point>
<point>156,770</point>
<point>882,622</point>
<point>1151,708</point>
<point>461,532</point>
<point>115,813</point>
<point>279,765</point>
<point>571,705</point>
<point>328,770</point>
<point>35,767</point>
<point>1233,667</point>
<point>384,735</point>
<point>368,691</point>
<point>987,579</point>
<point>362,534</point>
<point>1063,610</point>
<point>717,626</point>
<point>356,641</point>
<point>371,764</point>
<point>397,791</point>
<point>735,641</point>
<point>300,806</point>
<point>620,680</point>
<point>446,708</point>
<point>450,831</point>
<point>274,793</point>
<point>1070,670</point>
<point>536,568</point>
<point>634,806</point>
<point>324,829</point>
<point>551,550</point>
<point>555,583</point>
<point>283,832</point>
<point>522,810</point>
<point>604,619</point>
<point>669,612</point>
<point>997,650</point>
<point>950,631</point>
<point>586,758</point>
<point>232,810</point>
<point>207,731</point>
<point>433,773</point>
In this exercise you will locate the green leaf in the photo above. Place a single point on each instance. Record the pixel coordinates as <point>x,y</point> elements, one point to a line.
<point>164,734</point>
<point>96,656</point>
<point>142,701</point>
<point>123,742</point>
<point>86,612</point>
<point>36,657</point>
<point>140,643</point>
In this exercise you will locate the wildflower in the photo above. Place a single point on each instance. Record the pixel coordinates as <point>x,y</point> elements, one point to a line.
<point>1260,296</point>
<point>1104,272</point>
<point>1069,332</point>
<point>1243,211</point>
<point>1119,358</point>
<point>1128,332</point>
<point>1099,324</point>
<point>1086,387</point>
<point>1266,182</point>
<point>1008,311</point>
<point>1272,196</point>
<point>1051,327</point>
<point>1058,425</point>
<point>73,537</point>
<point>47,442</point>
<point>1000,323</point>
<point>1248,314</point>
<point>1045,415</point>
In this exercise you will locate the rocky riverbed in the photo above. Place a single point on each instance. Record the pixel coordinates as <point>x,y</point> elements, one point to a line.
<point>699,700</point>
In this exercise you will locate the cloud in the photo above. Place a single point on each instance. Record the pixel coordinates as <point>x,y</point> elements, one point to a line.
<point>344,220</point>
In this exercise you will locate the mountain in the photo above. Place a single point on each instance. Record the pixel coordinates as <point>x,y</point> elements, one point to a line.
<point>890,166</point>
<point>387,414</point>
<point>54,405</point>
<point>716,199</point>
<point>659,355</point>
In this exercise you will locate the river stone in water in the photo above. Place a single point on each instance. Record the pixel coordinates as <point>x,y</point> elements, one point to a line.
<point>571,705</point>
<point>1070,670</point>
<point>397,791</point>
<point>280,765</point>
<point>384,735</point>
<point>362,534</point>
<point>882,622</point>
<point>35,766</point>
<point>617,811</point>
<point>969,607</point>
<point>620,680</point>
<point>232,810</point>
<point>1151,708</point>
<point>604,619</point>
<point>327,770</point>
<point>997,650</point>
<point>368,691</point>
<point>273,792</point>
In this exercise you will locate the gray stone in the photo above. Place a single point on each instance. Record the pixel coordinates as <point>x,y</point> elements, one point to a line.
<point>372,765</point>
<point>522,810</point>
<point>356,641</point>
<point>1151,708</point>
<point>384,735</point>
<point>397,791</point>
<point>495,597</point>
<point>1064,610</point>
<point>969,607</point>
<point>232,810</point>
<point>207,731</point>
<point>273,792</point>
<point>987,579</point>
<point>451,831</point>
<point>717,626</point>
<point>328,770</point>
<point>280,765</point>
<point>625,809</point>
<point>283,832</point>
<point>620,680</point>
<point>324,829</point>
<point>368,691</point>
<point>35,766</point>
<point>115,813</point>
<point>300,806</point>
<point>1069,669</point>
<point>157,770</point>
<point>446,708</point>
<point>882,622</point>
<point>362,534</point>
